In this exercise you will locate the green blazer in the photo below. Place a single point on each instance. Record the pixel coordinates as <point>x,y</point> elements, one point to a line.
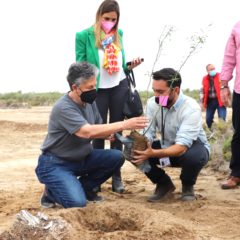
<point>86,50</point>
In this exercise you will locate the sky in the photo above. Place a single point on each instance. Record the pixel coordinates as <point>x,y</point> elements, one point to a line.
<point>37,43</point>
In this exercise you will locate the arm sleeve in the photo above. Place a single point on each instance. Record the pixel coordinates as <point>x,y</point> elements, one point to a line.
<point>70,119</point>
<point>190,128</point>
<point>229,59</point>
<point>124,66</point>
<point>80,47</point>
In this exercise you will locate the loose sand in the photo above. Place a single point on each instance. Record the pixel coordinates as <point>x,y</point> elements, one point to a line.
<point>215,214</point>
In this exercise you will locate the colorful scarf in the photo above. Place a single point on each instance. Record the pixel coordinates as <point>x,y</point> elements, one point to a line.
<point>110,53</point>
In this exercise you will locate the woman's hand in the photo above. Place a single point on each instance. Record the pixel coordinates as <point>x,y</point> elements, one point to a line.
<point>134,63</point>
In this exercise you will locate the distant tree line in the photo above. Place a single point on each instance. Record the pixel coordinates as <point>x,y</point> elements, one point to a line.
<point>19,99</point>
<point>191,93</point>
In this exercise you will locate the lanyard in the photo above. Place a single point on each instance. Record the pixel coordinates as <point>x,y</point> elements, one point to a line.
<point>163,124</point>
<point>150,124</point>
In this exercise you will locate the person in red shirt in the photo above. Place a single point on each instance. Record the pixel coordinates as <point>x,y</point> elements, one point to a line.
<point>210,96</point>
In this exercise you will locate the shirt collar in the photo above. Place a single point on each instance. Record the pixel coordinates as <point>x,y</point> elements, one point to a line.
<point>180,100</point>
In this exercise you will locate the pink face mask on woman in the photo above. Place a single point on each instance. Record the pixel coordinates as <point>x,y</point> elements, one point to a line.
<point>107,25</point>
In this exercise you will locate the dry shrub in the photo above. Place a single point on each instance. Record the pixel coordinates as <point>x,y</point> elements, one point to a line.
<point>219,138</point>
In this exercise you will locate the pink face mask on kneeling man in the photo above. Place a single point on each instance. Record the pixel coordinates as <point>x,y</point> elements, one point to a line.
<point>162,100</point>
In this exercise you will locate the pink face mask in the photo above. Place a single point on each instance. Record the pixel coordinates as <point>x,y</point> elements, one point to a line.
<point>162,100</point>
<point>107,25</point>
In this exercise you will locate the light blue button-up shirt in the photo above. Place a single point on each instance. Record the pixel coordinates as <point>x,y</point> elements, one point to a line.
<point>182,123</point>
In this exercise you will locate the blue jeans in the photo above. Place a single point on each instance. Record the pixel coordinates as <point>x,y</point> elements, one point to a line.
<point>212,106</point>
<point>66,182</point>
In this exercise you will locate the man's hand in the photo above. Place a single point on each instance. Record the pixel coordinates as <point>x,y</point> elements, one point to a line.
<point>135,123</point>
<point>202,107</point>
<point>141,156</point>
<point>111,138</point>
<point>225,95</point>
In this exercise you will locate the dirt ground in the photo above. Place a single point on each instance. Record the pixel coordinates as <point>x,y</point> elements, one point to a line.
<point>215,214</point>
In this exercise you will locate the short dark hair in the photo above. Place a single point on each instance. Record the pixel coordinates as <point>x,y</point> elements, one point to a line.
<point>80,72</point>
<point>208,66</point>
<point>171,76</point>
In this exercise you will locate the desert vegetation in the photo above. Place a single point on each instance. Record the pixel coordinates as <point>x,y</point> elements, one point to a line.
<point>32,99</point>
<point>219,136</point>
<point>19,99</point>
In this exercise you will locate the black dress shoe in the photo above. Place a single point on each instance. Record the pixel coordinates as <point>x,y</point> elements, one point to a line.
<point>162,191</point>
<point>93,197</point>
<point>45,201</point>
<point>188,193</point>
<point>97,189</point>
<point>117,185</point>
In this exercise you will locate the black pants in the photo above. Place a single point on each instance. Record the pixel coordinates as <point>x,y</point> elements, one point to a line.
<point>191,162</point>
<point>111,100</point>
<point>235,144</point>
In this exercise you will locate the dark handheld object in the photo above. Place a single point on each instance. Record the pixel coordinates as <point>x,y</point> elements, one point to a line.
<point>128,146</point>
<point>133,105</point>
<point>135,141</point>
<point>130,63</point>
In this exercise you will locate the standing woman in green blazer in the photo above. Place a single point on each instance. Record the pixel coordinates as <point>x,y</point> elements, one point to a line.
<point>102,45</point>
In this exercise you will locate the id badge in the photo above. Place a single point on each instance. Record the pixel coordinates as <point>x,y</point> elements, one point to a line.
<point>164,162</point>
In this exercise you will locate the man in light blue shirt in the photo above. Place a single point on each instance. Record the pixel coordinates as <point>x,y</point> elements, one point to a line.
<point>177,118</point>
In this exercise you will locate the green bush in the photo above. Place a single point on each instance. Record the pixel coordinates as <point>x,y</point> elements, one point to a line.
<point>145,96</point>
<point>227,148</point>
<point>192,93</point>
<point>30,99</point>
<point>220,138</point>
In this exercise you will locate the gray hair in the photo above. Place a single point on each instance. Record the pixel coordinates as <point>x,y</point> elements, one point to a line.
<point>81,72</point>
<point>208,66</point>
